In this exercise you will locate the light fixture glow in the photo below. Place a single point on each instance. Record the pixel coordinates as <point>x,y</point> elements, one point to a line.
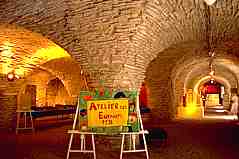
<point>212,81</point>
<point>210,2</point>
<point>10,76</point>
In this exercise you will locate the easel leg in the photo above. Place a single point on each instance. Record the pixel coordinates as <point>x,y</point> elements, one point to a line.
<point>31,121</point>
<point>145,147</point>
<point>133,139</point>
<point>25,119</point>
<point>82,142</point>
<point>122,147</point>
<point>18,120</point>
<point>69,148</point>
<point>130,142</point>
<point>93,145</point>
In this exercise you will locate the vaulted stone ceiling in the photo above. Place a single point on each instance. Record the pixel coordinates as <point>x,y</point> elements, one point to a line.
<point>124,35</point>
<point>22,50</point>
<point>122,39</point>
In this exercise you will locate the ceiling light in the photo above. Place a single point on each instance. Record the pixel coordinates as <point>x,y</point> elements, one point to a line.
<point>210,2</point>
<point>212,81</point>
<point>211,73</point>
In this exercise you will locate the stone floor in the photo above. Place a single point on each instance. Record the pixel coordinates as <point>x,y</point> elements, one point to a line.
<point>187,139</point>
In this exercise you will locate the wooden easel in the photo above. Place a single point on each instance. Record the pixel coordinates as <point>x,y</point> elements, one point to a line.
<point>83,134</point>
<point>25,110</point>
<point>25,121</point>
<point>132,136</point>
<point>82,137</point>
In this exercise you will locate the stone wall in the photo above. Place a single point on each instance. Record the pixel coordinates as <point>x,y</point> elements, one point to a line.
<point>8,111</point>
<point>56,93</point>
<point>8,104</point>
<point>67,71</point>
<point>124,41</point>
<point>169,82</point>
<point>13,93</point>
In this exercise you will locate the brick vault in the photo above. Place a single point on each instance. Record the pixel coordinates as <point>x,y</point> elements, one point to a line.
<point>123,42</point>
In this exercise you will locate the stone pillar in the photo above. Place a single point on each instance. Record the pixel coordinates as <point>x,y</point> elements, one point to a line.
<point>226,101</point>
<point>41,94</point>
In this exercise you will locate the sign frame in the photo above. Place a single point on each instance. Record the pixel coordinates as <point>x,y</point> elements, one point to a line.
<point>107,112</point>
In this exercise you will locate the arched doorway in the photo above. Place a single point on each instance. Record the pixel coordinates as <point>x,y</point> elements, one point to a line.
<point>56,93</point>
<point>212,94</point>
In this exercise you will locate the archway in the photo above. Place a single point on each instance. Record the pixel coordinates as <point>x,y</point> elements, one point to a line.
<point>23,50</point>
<point>212,94</point>
<point>202,84</point>
<point>32,59</point>
<point>56,93</point>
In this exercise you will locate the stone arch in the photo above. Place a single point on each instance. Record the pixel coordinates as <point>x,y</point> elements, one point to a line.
<point>58,75</point>
<point>186,66</point>
<point>224,75</point>
<point>182,85</point>
<point>30,51</point>
<point>56,93</point>
<point>221,80</point>
<point>26,50</point>
<point>129,32</point>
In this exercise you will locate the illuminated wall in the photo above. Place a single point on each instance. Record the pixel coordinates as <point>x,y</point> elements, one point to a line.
<point>50,90</point>
<point>22,50</point>
<point>56,93</point>
<point>212,100</point>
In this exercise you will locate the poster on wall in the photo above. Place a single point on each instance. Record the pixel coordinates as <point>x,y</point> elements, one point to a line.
<point>106,113</point>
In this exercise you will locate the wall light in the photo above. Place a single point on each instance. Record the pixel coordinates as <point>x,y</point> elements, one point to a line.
<point>11,76</point>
